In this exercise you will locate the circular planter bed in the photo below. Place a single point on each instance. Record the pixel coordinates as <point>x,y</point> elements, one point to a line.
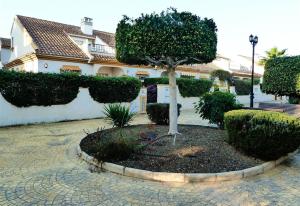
<point>200,154</point>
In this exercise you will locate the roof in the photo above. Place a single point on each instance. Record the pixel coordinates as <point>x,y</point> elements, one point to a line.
<point>244,73</point>
<point>5,43</point>
<point>52,38</point>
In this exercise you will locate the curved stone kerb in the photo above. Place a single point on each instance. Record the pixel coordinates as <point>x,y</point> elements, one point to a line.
<point>182,177</point>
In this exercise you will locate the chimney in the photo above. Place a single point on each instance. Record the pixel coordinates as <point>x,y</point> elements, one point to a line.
<point>87,25</point>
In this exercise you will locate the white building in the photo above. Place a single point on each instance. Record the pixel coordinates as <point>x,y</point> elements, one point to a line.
<point>5,51</point>
<point>38,45</point>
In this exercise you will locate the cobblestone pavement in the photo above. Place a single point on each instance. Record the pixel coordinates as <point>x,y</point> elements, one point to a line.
<point>38,166</point>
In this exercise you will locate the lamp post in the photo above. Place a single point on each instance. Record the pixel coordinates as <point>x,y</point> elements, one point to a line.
<point>253,40</point>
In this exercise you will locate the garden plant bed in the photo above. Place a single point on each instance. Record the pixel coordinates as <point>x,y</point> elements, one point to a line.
<point>198,150</point>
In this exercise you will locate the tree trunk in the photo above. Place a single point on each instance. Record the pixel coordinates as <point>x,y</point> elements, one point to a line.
<point>173,113</point>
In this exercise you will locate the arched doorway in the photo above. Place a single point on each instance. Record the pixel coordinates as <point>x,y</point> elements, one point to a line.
<point>106,71</point>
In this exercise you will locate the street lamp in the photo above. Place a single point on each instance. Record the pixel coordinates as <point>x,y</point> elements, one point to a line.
<point>253,40</point>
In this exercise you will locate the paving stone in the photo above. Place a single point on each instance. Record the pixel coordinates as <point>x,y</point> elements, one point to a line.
<point>39,166</point>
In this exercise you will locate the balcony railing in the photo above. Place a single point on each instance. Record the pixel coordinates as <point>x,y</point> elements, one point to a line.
<point>101,49</point>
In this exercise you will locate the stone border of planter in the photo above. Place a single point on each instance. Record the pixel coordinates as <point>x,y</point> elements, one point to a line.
<point>182,177</point>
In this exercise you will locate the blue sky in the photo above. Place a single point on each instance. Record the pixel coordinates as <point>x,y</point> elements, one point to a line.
<point>276,22</point>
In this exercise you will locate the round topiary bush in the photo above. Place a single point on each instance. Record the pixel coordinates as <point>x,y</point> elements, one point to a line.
<point>263,134</point>
<point>159,112</point>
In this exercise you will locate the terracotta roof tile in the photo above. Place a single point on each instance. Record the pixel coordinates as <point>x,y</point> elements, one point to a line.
<point>108,38</point>
<point>5,43</point>
<point>52,38</point>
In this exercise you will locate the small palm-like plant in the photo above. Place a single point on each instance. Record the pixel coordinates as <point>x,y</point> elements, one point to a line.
<point>119,115</point>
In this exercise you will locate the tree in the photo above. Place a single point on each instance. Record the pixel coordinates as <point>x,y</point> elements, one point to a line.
<point>272,53</point>
<point>167,40</point>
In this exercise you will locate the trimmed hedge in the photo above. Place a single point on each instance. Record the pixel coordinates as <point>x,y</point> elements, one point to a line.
<point>282,76</point>
<point>263,134</point>
<point>44,89</point>
<point>243,87</point>
<point>187,87</point>
<point>114,89</point>
<point>27,89</point>
<point>159,112</point>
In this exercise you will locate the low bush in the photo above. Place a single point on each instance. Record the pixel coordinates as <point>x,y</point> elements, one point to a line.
<point>159,113</point>
<point>212,106</point>
<point>44,89</point>
<point>107,148</point>
<point>294,99</point>
<point>263,134</point>
<point>187,87</point>
<point>118,114</point>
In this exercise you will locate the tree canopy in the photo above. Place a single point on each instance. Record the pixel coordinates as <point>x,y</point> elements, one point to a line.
<point>282,76</point>
<point>168,37</point>
<point>221,74</point>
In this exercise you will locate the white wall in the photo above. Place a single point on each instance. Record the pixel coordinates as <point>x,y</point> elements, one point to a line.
<point>55,66</point>
<point>31,66</point>
<point>5,55</point>
<point>163,97</point>
<point>135,106</point>
<point>188,103</point>
<point>22,43</point>
<point>82,107</point>
<point>259,96</point>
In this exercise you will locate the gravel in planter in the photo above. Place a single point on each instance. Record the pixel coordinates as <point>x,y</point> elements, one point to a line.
<point>198,150</point>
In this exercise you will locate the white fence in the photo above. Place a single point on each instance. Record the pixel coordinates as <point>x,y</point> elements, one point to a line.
<point>82,107</point>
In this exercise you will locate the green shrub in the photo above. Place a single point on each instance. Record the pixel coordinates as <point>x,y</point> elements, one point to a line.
<point>27,89</point>
<point>193,87</point>
<point>159,113</point>
<point>187,87</point>
<point>118,114</point>
<point>242,87</point>
<point>221,74</point>
<point>114,89</point>
<point>263,134</point>
<point>294,99</point>
<point>109,148</point>
<point>44,89</point>
<point>212,106</point>
<point>282,76</point>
